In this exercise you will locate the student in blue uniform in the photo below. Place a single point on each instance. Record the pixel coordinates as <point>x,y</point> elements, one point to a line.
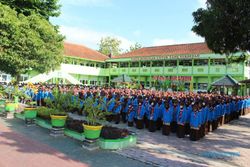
<point>218,110</point>
<point>130,115</point>
<point>188,115</point>
<point>167,117</point>
<point>153,116</point>
<point>125,104</point>
<point>210,115</point>
<point>39,97</point>
<point>227,111</point>
<point>204,130</point>
<point>117,110</point>
<point>181,119</point>
<point>146,105</point>
<point>176,108</point>
<point>159,113</point>
<point>110,106</point>
<point>140,111</point>
<point>194,123</point>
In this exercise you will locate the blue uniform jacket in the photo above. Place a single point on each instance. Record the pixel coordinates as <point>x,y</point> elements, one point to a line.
<point>167,114</point>
<point>111,105</point>
<point>131,115</point>
<point>194,120</point>
<point>175,112</point>
<point>181,115</point>
<point>117,109</point>
<point>153,112</point>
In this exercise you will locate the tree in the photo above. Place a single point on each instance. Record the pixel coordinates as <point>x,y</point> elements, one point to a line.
<point>28,42</point>
<point>134,47</point>
<point>110,46</point>
<point>225,25</point>
<point>45,8</point>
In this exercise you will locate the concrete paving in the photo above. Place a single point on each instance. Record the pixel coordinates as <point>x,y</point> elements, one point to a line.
<point>22,146</point>
<point>227,146</point>
<point>32,146</point>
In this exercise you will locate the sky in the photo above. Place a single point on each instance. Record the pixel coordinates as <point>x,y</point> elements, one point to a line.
<point>148,22</point>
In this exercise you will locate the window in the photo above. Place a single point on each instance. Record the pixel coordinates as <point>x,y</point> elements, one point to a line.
<point>123,64</point>
<point>202,86</point>
<point>108,65</point>
<point>201,62</point>
<point>171,63</point>
<point>97,65</point>
<point>157,63</point>
<point>114,65</point>
<point>145,64</point>
<point>134,64</point>
<point>185,62</point>
<point>92,65</point>
<point>103,65</point>
<point>218,62</point>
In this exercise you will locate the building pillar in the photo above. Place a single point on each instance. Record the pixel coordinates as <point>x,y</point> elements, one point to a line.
<point>150,74</point>
<point>191,86</point>
<point>196,83</point>
<point>139,73</point>
<point>209,82</point>
<point>178,61</point>
<point>109,66</point>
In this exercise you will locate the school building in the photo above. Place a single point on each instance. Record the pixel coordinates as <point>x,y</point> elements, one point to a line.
<point>184,66</point>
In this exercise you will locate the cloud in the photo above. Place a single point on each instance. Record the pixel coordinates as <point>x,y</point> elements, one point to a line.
<point>88,3</point>
<point>137,33</point>
<point>89,37</point>
<point>202,3</point>
<point>191,37</point>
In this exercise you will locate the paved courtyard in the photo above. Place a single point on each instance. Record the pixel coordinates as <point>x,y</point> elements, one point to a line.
<point>23,146</point>
<point>227,146</point>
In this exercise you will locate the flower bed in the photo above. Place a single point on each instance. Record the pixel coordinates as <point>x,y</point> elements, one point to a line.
<point>43,123</point>
<point>74,134</point>
<point>20,116</point>
<point>113,144</point>
<point>115,138</point>
<point>111,137</point>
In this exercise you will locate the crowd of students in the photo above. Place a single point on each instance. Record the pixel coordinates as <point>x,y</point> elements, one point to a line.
<point>182,113</point>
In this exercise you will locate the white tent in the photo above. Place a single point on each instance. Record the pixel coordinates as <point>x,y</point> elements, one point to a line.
<point>54,74</point>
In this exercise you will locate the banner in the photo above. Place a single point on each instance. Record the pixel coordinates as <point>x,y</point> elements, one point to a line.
<point>172,78</point>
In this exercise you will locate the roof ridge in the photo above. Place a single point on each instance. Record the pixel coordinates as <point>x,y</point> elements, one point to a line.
<point>70,43</point>
<point>192,43</point>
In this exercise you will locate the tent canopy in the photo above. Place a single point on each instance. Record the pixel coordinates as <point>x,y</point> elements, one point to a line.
<point>227,80</point>
<point>247,81</point>
<point>122,78</point>
<point>54,74</point>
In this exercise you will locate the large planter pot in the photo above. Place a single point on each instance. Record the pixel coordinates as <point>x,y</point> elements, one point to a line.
<point>58,121</point>
<point>16,99</point>
<point>30,113</point>
<point>2,105</point>
<point>2,102</point>
<point>10,107</point>
<point>92,132</point>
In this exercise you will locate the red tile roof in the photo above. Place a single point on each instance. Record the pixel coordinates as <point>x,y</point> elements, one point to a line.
<point>180,49</point>
<point>84,52</point>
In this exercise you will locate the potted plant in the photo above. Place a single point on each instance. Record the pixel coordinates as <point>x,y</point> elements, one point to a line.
<point>44,113</point>
<point>95,111</point>
<point>74,104</point>
<point>57,104</point>
<point>2,100</point>
<point>31,111</point>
